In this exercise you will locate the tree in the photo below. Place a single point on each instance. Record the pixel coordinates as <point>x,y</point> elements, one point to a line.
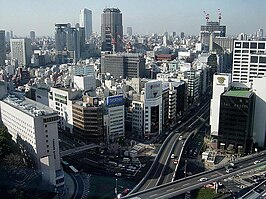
<point>5,142</point>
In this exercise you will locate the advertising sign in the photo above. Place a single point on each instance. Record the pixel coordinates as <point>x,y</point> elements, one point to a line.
<point>153,89</point>
<point>117,100</point>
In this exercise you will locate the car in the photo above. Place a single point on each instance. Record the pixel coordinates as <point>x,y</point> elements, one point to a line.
<point>172,156</point>
<point>175,162</point>
<point>203,179</point>
<point>180,137</point>
<point>256,162</point>
<point>229,170</point>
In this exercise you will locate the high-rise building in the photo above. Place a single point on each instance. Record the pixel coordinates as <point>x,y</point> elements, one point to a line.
<point>249,60</point>
<point>32,36</point>
<point>236,120</point>
<point>2,47</point>
<point>85,21</point>
<point>112,30</point>
<point>129,31</point>
<point>213,29</point>
<point>34,127</point>
<point>88,120</point>
<point>114,118</point>
<point>21,50</point>
<point>69,41</point>
<point>123,65</point>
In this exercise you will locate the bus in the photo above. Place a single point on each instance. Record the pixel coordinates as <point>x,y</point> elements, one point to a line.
<point>73,169</point>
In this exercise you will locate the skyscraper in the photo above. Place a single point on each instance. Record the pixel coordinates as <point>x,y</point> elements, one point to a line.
<point>85,21</point>
<point>32,36</point>
<point>69,41</point>
<point>129,31</point>
<point>21,50</point>
<point>213,29</point>
<point>112,30</point>
<point>2,47</point>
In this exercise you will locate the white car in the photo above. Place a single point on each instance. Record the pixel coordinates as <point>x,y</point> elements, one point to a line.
<point>256,162</point>
<point>172,156</point>
<point>203,179</point>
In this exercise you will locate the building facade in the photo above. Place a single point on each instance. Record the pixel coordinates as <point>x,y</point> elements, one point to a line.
<point>249,60</point>
<point>85,21</point>
<point>2,47</point>
<point>125,65</point>
<point>88,120</point>
<point>34,127</point>
<point>114,118</point>
<point>236,121</point>
<point>112,30</point>
<point>153,114</point>
<point>21,51</point>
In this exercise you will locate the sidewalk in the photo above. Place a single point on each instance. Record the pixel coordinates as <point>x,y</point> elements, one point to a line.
<point>69,187</point>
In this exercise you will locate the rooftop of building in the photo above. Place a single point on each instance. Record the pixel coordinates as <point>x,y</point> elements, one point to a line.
<point>111,10</point>
<point>238,93</point>
<point>28,106</point>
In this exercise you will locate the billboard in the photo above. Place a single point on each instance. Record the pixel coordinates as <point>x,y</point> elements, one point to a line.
<point>153,89</point>
<point>117,100</point>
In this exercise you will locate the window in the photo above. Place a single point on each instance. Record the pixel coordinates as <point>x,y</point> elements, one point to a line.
<point>253,45</point>
<point>47,151</point>
<point>238,45</point>
<point>245,45</point>
<point>254,59</point>
<point>261,46</point>
<point>47,146</point>
<point>263,60</point>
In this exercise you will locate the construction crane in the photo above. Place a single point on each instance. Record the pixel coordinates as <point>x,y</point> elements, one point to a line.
<point>207,16</point>
<point>219,15</point>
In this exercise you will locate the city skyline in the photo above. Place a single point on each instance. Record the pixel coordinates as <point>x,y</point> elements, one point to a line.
<point>145,19</point>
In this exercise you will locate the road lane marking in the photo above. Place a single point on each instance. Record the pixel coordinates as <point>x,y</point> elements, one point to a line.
<point>214,175</point>
<point>185,184</point>
<point>170,190</point>
<point>152,196</point>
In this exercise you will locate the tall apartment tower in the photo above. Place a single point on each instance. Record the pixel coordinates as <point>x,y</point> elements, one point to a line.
<point>21,51</point>
<point>85,21</point>
<point>249,61</point>
<point>112,30</point>
<point>2,47</point>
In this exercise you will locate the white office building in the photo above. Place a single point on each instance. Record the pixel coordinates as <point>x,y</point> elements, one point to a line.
<point>259,127</point>
<point>114,118</point>
<point>221,82</point>
<point>85,21</point>
<point>34,127</point>
<point>137,115</point>
<point>153,108</point>
<point>60,100</point>
<point>21,51</point>
<point>249,61</point>
<point>85,83</point>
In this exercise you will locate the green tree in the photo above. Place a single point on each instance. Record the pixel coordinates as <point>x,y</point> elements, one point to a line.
<point>6,143</point>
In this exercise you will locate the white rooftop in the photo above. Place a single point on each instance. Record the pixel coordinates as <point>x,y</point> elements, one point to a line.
<point>28,106</point>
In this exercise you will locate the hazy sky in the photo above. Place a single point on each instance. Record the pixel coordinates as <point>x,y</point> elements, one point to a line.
<point>144,16</point>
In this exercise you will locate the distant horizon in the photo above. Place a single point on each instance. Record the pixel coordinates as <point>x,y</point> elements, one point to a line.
<point>239,16</point>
